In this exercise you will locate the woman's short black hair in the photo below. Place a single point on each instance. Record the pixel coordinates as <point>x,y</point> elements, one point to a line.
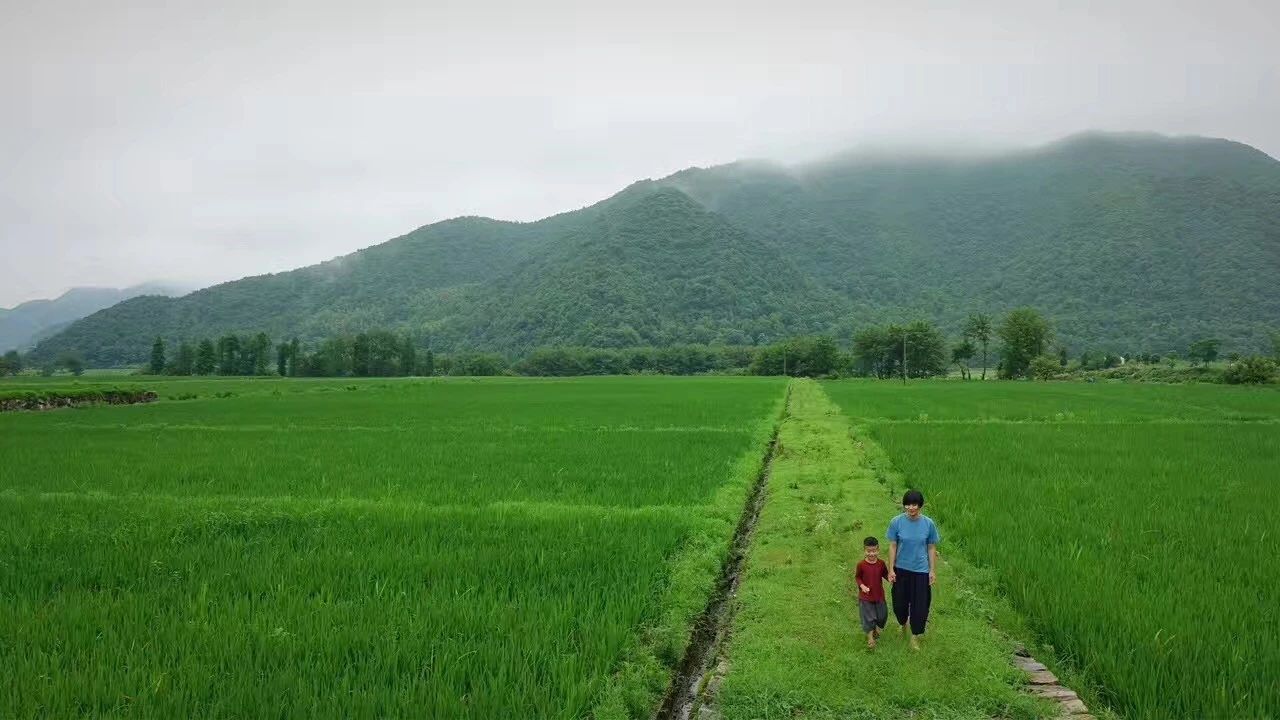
<point>913,497</point>
<point>871,541</point>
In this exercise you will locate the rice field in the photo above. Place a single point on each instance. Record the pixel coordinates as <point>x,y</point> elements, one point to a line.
<point>497,548</point>
<point>1133,525</point>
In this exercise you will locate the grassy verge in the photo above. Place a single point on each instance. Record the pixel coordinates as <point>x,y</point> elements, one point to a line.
<point>797,649</point>
<point>647,665</point>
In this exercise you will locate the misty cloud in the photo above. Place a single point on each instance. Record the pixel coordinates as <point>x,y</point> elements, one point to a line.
<point>197,141</point>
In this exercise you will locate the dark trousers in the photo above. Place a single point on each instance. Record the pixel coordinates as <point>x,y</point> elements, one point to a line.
<point>911,598</point>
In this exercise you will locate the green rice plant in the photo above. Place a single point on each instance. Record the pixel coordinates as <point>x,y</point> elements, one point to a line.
<point>960,401</point>
<point>617,441</point>
<point>291,609</point>
<point>1141,552</point>
<point>446,548</point>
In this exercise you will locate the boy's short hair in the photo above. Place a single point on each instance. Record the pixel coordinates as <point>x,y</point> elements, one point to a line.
<point>913,497</point>
<point>871,542</point>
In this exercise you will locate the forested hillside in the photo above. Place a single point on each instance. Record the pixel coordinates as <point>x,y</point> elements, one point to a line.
<point>1128,242</point>
<point>1134,242</point>
<point>29,322</point>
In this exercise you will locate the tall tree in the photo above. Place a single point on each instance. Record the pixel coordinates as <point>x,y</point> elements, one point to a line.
<point>875,351</point>
<point>228,355</point>
<point>926,350</point>
<point>260,352</point>
<point>12,363</point>
<point>978,329</point>
<point>295,351</point>
<point>408,357</point>
<point>882,350</point>
<point>812,356</point>
<point>961,354</point>
<point>1203,351</point>
<point>429,363</point>
<point>282,359</point>
<point>360,351</point>
<point>185,361</point>
<point>206,357</point>
<point>1024,334</point>
<point>156,367</point>
<point>384,353</point>
<point>72,362</point>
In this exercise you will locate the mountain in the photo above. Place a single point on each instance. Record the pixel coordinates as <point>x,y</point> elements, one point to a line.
<point>1127,241</point>
<point>26,324</point>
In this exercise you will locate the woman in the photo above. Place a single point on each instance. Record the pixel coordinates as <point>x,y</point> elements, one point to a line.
<point>913,561</point>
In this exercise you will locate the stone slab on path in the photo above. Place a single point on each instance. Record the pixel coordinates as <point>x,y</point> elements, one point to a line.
<point>1044,684</point>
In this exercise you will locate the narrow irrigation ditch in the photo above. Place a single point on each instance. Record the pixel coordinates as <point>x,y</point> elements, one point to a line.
<point>685,693</point>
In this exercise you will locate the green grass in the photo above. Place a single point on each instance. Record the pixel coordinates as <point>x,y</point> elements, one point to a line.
<point>797,649</point>
<point>504,548</point>
<point>1138,549</point>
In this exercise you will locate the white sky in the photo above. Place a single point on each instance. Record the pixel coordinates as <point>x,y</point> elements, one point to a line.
<point>205,141</point>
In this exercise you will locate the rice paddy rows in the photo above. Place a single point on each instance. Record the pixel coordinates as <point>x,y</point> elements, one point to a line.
<point>445,549</point>
<point>1138,548</point>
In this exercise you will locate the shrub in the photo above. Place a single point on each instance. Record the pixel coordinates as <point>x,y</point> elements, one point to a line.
<point>1252,370</point>
<point>1045,367</point>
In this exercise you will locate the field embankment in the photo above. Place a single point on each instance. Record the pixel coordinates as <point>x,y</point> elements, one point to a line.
<point>50,399</point>
<point>796,647</point>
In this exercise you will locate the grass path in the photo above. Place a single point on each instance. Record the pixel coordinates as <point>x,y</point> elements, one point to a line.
<point>796,649</point>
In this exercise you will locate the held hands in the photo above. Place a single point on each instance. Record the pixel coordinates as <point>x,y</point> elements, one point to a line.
<point>893,577</point>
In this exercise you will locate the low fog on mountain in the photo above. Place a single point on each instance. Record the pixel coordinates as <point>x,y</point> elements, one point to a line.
<point>195,143</point>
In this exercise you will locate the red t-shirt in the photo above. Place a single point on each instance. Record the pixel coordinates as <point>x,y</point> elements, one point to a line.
<point>873,576</point>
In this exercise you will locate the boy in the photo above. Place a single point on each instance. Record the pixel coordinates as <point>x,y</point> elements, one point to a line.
<point>870,576</point>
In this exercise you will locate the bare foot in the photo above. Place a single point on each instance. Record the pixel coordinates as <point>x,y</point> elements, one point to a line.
<point>871,643</point>
<point>875,632</point>
<point>915,644</point>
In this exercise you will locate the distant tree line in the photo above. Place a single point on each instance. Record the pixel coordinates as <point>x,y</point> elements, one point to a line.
<point>372,354</point>
<point>14,363</point>
<point>1021,344</point>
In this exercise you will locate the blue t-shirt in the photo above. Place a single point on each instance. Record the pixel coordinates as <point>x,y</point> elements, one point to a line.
<point>914,538</point>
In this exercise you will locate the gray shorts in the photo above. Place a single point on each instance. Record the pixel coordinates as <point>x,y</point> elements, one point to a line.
<point>873,614</point>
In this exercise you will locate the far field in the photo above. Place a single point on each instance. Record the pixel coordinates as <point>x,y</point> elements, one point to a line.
<point>338,548</point>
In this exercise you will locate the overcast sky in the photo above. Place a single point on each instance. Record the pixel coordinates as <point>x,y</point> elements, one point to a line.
<point>205,141</point>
